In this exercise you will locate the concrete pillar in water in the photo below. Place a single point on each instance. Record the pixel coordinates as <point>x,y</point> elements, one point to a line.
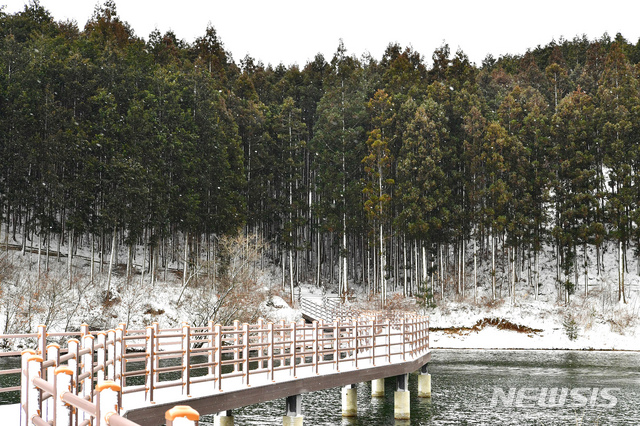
<point>349,401</point>
<point>424,383</point>
<point>377,388</point>
<point>294,411</point>
<point>223,418</point>
<point>402,406</point>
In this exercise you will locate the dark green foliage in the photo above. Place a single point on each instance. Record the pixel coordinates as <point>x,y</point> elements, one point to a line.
<point>570,326</point>
<point>102,130</point>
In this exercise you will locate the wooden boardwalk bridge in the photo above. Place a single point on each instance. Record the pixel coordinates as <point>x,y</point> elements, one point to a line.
<point>137,377</point>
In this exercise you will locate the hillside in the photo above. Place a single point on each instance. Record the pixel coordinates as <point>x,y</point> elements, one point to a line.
<point>597,321</point>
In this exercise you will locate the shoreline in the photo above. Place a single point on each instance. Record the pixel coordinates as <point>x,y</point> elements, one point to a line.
<point>534,349</point>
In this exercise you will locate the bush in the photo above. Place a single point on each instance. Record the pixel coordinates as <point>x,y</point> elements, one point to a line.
<point>570,326</point>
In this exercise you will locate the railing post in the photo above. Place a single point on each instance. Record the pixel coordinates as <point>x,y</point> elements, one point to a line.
<point>150,367</point>
<point>24,384</point>
<point>388,328</point>
<point>182,415</point>
<point>84,329</point>
<point>107,401</point>
<point>355,344</point>
<point>73,363</point>
<point>270,350</point>
<point>186,359</point>
<point>218,354</point>
<point>245,352</point>
<point>34,395</point>
<point>263,339</point>
<point>236,342</point>
<point>427,332</point>
<point>88,343</point>
<point>402,327</point>
<point>211,355</point>
<point>101,356</point>
<point>53,353</point>
<point>336,348</point>
<point>415,327</point>
<point>373,341</point>
<point>119,352</point>
<point>42,340</point>
<point>281,336</point>
<point>156,350</point>
<point>294,335</point>
<point>64,383</point>
<point>111,355</point>
<point>418,327</point>
<point>315,346</point>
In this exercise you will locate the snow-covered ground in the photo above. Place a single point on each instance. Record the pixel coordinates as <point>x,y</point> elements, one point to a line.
<point>543,325</point>
<point>597,321</point>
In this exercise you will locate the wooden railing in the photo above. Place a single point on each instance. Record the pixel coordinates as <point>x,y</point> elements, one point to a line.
<point>329,309</point>
<point>155,365</point>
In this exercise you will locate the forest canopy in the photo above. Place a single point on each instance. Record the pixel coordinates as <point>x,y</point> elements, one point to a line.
<point>362,171</point>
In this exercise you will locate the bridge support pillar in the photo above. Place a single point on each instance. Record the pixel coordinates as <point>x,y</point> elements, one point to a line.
<point>377,388</point>
<point>223,418</point>
<point>349,401</point>
<point>402,406</point>
<point>294,411</point>
<point>424,383</point>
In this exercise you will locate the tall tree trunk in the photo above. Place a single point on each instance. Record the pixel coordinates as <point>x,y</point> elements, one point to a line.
<point>513,275</point>
<point>586,270</point>
<point>102,249</point>
<point>441,264</point>
<point>462,270</point>
<point>185,266</point>
<point>404,261</point>
<point>24,237</point>
<point>291,278</point>
<point>142,264</point>
<point>383,281</point>
<point>111,257</point>
<point>475,271</point>
<point>621,293</point>
<point>370,288</point>
<point>493,267</point>
<point>91,262</point>
<point>343,256</point>
<point>46,257</point>
<point>39,250</point>
<point>318,260</point>
<point>70,257</point>
<point>129,259</point>
<point>537,272</point>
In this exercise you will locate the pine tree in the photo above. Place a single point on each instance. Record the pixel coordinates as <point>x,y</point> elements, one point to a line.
<point>618,114</point>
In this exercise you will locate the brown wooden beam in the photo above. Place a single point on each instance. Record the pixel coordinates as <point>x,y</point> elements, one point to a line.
<point>228,400</point>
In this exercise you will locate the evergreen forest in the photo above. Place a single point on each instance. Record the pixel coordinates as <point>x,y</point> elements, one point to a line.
<point>389,174</point>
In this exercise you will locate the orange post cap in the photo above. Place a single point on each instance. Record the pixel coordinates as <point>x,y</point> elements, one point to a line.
<point>182,411</point>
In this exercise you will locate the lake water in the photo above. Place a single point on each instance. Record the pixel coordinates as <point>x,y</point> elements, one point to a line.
<point>483,388</point>
<point>474,388</point>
